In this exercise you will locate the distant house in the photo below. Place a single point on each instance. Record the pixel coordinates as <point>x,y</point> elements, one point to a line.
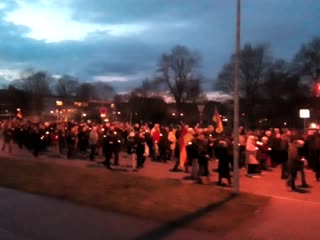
<point>10,100</point>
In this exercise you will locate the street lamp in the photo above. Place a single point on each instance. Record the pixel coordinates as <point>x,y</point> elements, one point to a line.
<point>83,115</point>
<point>236,101</point>
<point>304,114</point>
<point>200,109</point>
<point>59,105</point>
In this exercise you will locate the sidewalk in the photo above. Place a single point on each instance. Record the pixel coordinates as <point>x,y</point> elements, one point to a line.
<point>24,216</point>
<point>269,184</point>
<point>282,219</point>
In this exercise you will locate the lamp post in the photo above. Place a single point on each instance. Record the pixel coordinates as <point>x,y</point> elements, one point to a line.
<point>236,102</point>
<point>304,114</point>
<point>200,109</point>
<point>59,105</point>
<point>113,107</point>
<point>83,116</point>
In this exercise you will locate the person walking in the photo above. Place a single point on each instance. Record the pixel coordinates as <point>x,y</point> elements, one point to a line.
<point>294,161</point>
<point>202,148</point>
<point>221,153</point>
<point>71,139</point>
<point>173,142</point>
<point>7,138</point>
<point>253,167</point>
<point>263,154</point>
<point>93,142</point>
<point>284,148</point>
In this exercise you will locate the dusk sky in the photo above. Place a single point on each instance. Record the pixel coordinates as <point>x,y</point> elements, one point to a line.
<point>120,41</point>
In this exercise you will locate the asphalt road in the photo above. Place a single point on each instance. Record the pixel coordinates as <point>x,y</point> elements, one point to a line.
<point>25,216</point>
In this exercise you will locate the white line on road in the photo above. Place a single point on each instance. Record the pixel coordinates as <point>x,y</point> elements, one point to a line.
<point>293,199</point>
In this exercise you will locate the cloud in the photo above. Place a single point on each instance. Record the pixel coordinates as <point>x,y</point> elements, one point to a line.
<point>109,78</point>
<point>284,24</point>
<point>7,6</point>
<point>114,11</point>
<point>52,25</point>
<point>9,74</point>
<point>83,59</point>
<point>120,41</point>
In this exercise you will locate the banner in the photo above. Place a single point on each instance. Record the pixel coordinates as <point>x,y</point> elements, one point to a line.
<point>217,119</point>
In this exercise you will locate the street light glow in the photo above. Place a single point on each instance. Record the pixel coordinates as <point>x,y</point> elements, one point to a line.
<point>59,103</point>
<point>313,125</point>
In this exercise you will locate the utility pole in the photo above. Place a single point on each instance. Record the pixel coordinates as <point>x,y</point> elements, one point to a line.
<point>236,102</point>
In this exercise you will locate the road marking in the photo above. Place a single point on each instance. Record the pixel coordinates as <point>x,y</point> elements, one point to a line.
<point>294,199</point>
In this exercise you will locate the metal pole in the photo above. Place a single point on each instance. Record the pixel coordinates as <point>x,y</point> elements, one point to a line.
<point>236,102</point>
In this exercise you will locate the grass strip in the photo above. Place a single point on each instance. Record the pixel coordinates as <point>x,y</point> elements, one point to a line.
<point>202,207</point>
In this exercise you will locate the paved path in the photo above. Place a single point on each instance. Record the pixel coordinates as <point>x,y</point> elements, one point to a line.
<point>24,216</point>
<point>269,184</point>
<point>282,219</point>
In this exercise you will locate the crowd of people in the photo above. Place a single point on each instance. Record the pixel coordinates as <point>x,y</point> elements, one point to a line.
<point>264,150</point>
<point>189,147</point>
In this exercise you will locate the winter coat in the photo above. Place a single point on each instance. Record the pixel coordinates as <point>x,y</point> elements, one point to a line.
<point>221,152</point>
<point>172,138</point>
<point>294,155</point>
<point>93,137</point>
<point>251,150</point>
<point>263,152</point>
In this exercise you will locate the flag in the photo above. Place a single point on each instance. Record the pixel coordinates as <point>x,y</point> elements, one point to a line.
<point>182,147</point>
<point>217,119</point>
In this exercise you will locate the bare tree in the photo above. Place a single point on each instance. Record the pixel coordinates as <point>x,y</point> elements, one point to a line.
<point>254,65</point>
<point>178,71</point>
<point>307,60</point>
<point>225,78</point>
<point>255,62</point>
<point>36,85</point>
<point>194,91</point>
<point>103,91</point>
<point>34,82</point>
<point>66,86</point>
<point>147,88</point>
<point>85,92</point>
<point>283,92</point>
